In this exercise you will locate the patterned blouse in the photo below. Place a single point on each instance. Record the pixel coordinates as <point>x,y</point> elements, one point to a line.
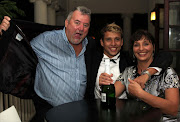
<point>156,85</point>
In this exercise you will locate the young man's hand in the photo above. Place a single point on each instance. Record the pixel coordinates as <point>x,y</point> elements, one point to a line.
<point>105,79</point>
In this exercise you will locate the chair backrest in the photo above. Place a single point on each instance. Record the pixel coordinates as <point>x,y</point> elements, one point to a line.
<point>9,115</point>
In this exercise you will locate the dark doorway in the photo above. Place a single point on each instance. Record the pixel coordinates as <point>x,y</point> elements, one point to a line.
<point>139,21</point>
<point>98,21</point>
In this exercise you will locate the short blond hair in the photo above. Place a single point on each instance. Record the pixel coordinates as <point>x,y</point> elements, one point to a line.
<point>112,28</point>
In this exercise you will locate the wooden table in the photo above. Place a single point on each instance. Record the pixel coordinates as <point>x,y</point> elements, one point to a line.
<point>93,111</point>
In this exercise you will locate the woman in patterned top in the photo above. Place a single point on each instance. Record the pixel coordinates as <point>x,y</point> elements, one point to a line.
<point>161,90</point>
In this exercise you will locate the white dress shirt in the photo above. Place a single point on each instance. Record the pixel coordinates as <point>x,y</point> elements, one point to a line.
<point>114,69</point>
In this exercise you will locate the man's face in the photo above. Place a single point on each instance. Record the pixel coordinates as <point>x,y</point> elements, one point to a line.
<point>77,28</point>
<point>112,43</point>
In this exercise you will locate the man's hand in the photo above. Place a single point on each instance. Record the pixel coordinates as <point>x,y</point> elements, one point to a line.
<point>141,80</point>
<point>105,79</point>
<point>4,24</point>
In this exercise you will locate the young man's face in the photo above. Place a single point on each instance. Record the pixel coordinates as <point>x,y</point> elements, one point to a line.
<point>112,43</point>
<point>77,28</point>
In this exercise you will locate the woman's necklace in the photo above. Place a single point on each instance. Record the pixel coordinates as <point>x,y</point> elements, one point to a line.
<point>141,69</point>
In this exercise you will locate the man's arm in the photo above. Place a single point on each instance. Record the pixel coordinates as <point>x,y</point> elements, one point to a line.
<point>145,76</point>
<point>162,60</point>
<point>7,30</point>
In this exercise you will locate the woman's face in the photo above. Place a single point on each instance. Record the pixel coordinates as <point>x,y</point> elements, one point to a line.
<point>143,50</point>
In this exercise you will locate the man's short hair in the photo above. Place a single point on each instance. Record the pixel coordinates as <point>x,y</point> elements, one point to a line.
<point>84,11</point>
<point>112,28</point>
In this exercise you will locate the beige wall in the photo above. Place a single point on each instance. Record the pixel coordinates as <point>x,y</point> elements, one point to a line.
<point>109,6</point>
<point>112,6</point>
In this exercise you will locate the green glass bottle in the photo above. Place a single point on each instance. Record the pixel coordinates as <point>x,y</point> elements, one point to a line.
<point>108,91</point>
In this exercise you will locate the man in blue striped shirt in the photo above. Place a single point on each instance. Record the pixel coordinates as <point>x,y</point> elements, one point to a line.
<point>61,74</point>
<point>65,59</point>
<point>61,71</point>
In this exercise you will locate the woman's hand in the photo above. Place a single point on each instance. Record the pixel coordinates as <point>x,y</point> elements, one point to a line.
<point>141,80</point>
<point>134,88</point>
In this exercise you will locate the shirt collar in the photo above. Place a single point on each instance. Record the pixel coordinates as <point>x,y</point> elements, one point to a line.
<point>115,57</point>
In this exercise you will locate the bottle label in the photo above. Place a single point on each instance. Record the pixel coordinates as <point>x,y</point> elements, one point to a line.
<point>103,97</point>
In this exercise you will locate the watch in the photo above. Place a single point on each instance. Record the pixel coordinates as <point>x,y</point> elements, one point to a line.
<point>146,72</point>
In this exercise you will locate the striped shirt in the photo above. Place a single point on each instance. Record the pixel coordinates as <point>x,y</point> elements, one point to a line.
<point>60,74</point>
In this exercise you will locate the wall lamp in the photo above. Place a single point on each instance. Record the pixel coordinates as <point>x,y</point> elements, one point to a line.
<point>153,16</point>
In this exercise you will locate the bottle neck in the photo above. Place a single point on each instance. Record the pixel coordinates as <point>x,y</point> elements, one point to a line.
<point>107,66</point>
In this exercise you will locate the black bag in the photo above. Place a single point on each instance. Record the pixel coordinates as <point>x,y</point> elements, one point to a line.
<point>17,64</point>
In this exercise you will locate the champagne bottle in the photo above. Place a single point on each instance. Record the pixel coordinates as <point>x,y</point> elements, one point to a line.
<point>108,91</point>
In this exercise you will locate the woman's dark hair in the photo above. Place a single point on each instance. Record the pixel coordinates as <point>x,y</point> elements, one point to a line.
<point>138,35</point>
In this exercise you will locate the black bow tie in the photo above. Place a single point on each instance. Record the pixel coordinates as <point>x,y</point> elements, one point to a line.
<point>113,60</point>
